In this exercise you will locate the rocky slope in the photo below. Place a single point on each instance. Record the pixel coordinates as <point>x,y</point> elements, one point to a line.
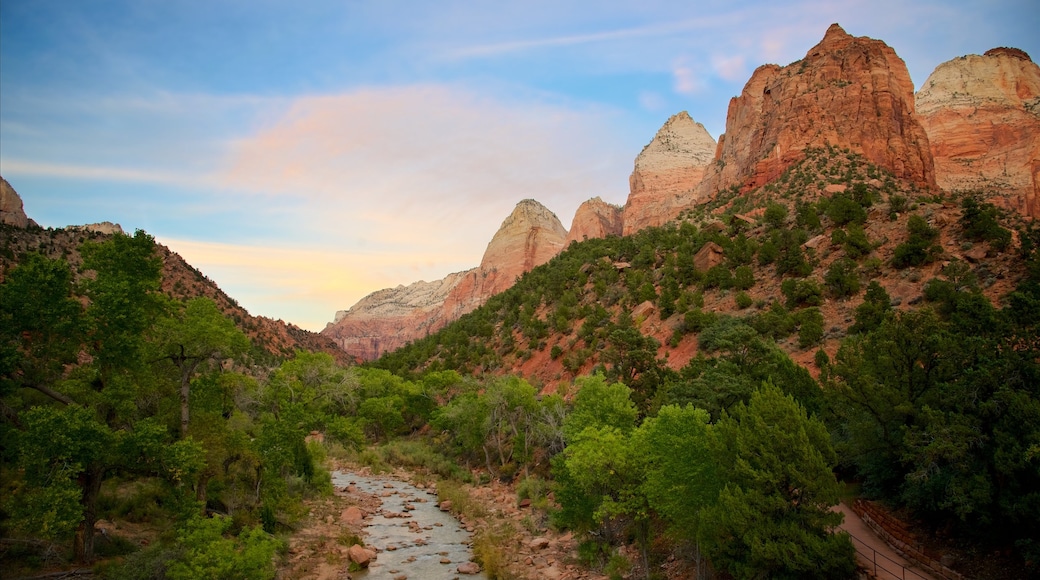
<point>11,211</point>
<point>666,173</point>
<point>595,219</point>
<point>388,319</point>
<point>982,116</point>
<point>848,92</point>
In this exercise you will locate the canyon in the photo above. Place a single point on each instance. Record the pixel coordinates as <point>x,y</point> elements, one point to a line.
<point>974,123</point>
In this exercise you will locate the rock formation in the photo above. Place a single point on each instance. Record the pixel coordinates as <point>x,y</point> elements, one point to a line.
<point>390,318</point>
<point>107,228</point>
<point>982,116</point>
<point>595,219</point>
<point>11,211</point>
<point>531,236</point>
<point>852,92</point>
<point>667,172</point>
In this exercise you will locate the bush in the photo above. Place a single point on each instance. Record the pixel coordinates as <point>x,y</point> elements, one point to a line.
<point>979,223</point>
<point>810,329</point>
<point>843,209</point>
<point>743,300</point>
<point>743,278</point>
<point>775,215</point>
<point>802,293</point>
<point>920,248</point>
<point>841,278</point>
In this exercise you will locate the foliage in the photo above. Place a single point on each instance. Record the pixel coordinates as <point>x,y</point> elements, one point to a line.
<point>208,553</point>
<point>841,278</point>
<point>921,247</point>
<point>773,515</point>
<point>979,221</point>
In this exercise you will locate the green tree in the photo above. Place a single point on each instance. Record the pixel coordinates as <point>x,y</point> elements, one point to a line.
<point>872,312</point>
<point>681,475</point>
<point>773,517</point>
<point>196,335</point>
<point>41,328</point>
<point>841,278</point>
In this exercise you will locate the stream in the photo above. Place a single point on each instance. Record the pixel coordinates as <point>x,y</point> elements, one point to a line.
<point>412,536</point>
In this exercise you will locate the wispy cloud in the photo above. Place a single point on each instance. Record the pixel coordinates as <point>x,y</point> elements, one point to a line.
<point>19,167</point>
<point>635,32</point>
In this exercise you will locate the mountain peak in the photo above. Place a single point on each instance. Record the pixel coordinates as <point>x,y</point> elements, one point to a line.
<point>849,92</point>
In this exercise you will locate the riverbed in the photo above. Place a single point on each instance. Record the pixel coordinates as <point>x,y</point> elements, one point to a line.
<point>414,539</point>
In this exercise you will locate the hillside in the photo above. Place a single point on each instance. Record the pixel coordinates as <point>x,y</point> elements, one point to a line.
<point>180,280</point>
<point>793,258</point>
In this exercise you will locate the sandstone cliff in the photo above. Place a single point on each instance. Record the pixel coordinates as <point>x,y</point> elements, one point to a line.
<point>11,211</point>
<point>849,92</point>
<point>982,116</point>
<point>667,172</point>
<point>595,219</point>
<point>388,319</point>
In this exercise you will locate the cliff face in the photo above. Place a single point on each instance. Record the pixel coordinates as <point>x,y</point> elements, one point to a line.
<point>595,219</point>
<point>11,211</point>
<point>982,116</point>
<point>667,172</point>
<point>849,92</point>
<point>390,318</point>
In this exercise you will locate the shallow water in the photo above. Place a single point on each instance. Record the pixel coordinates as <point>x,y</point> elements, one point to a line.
<point>414,545</point>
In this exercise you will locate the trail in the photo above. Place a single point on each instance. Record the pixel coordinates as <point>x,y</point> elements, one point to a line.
<point>877,557</point>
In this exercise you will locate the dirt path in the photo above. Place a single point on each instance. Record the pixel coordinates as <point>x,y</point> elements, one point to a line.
<point>877,557</point>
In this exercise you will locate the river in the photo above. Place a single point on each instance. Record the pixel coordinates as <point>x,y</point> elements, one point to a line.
<point>413,538</point>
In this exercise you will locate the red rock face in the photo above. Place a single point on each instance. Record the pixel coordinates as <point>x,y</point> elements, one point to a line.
<point>982,116</point>
<point>595,219</point>
<point>852,92</point>
<point>390,318</point>
<point>667,172</point>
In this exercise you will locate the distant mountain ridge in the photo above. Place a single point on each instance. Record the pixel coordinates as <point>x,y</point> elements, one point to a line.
<point>848,92</point>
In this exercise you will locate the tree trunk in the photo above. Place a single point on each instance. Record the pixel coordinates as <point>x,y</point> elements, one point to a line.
<point>200,492</point>
<point>187,366</point>
<point>90,481</point>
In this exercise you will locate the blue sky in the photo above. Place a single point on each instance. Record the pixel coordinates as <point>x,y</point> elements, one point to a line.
<point>303,154</point>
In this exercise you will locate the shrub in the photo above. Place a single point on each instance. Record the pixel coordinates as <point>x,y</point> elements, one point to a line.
<point>841,278</point>
<point>743,278</point>
<point>743,300</point>
<point>843,209</point>
<point>979,222</point>
<point>775,215</point>
<point>802,293</point>
<point>920,248</point>
<point>810,329</point>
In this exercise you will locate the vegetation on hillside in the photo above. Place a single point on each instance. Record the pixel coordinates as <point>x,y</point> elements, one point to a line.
<point>120,402</point>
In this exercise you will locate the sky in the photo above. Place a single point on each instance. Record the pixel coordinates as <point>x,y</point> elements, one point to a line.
<point>305,154</point>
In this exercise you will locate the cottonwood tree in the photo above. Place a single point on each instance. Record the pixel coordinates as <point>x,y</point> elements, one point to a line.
<point>194,336</point>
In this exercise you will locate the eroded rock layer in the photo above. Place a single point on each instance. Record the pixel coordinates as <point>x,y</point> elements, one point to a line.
<point>667,172</point>
<point>982,116</point>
